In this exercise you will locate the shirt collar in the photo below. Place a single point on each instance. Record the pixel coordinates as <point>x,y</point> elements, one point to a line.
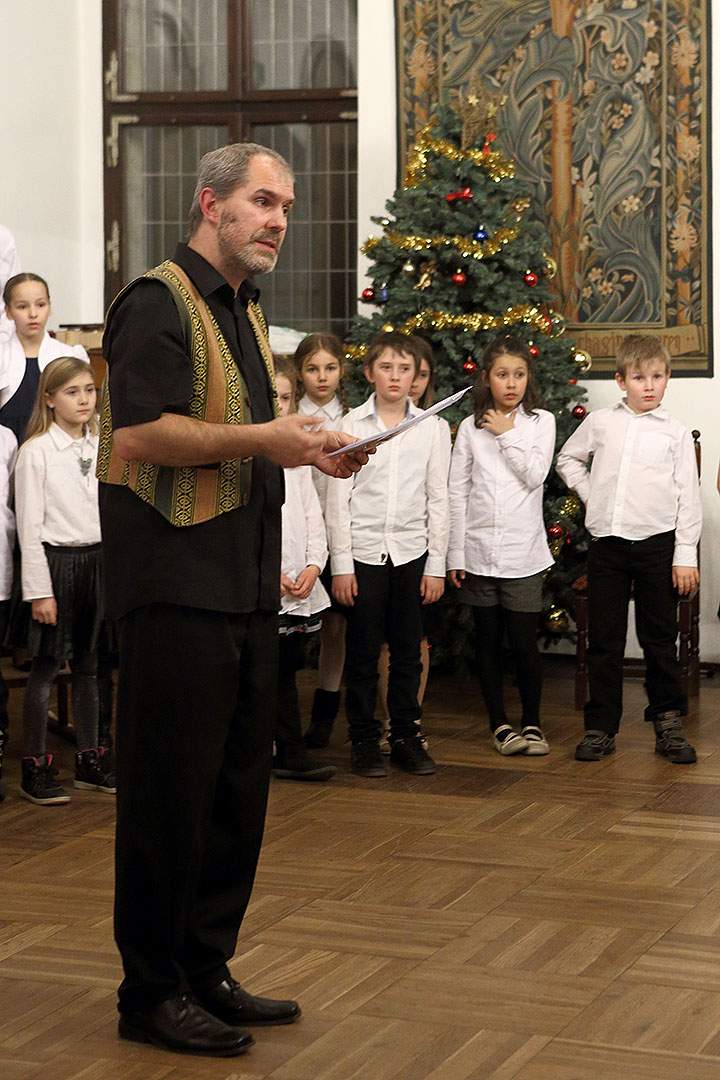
<point>61,438</point>
<point>209,280</point>
<point>660,412</point>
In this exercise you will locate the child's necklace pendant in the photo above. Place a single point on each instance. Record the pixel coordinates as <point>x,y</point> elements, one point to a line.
<point>85,463</point>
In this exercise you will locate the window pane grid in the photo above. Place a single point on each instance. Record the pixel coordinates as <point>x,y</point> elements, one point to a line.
<point>160,167</point>
<point>313,287</point>
<point>303,44</point>
<point>173,45</point>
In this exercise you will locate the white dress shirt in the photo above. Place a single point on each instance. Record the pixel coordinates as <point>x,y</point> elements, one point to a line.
<point>643,480</point>
<point>303,540</point>
<point>56,502</point>
<point>397,505</point>
<point>332,415</point>
<point>496,497</point>
<point>8,453</point>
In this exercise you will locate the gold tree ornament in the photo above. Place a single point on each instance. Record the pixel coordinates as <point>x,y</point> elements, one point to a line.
<point>427,269</point>
<point>557,620</point>
<point>551,266</point>
<point>583,360</point>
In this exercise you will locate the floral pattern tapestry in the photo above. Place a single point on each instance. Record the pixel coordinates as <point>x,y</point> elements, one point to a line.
<point>605,112</point>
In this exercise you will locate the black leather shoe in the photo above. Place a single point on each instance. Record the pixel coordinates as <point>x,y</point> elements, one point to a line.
<point>183,1025</point>
<point>233,1005</point>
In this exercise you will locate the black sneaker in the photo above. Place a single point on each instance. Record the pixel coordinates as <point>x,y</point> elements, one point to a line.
<point>594,745</point>
<point>366,759</point>
<point>670,741</point>
<point>411,755</point>
<point>92,772</point>
<point>38,782</point>
<point>299,765</point>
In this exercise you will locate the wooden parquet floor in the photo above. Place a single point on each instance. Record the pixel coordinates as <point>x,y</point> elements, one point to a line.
<point>529,918</point>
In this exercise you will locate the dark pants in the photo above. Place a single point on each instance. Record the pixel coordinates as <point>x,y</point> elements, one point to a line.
<point>288,727</point>
<point>614,565</point>
<point>388,607</point>
<point>195,711</point>
<point>521,627</point>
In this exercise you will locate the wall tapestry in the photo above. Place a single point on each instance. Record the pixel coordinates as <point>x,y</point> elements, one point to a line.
<point>606,114</point>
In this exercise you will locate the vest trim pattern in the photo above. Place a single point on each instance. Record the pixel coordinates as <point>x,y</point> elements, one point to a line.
<point>188,495</point>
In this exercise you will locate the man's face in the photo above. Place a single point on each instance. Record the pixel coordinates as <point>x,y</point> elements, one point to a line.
<point>253,220</point>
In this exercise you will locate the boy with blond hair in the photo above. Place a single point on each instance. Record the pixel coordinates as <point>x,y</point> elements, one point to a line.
<point>643,512</point>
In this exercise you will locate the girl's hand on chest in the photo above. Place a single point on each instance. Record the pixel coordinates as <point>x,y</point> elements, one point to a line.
<point>496,422</point>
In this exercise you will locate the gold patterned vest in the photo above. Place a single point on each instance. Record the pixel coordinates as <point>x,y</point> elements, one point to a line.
<point>190,495</point>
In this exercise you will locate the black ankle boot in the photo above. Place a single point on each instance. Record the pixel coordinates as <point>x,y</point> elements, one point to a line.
<point>325,708</point>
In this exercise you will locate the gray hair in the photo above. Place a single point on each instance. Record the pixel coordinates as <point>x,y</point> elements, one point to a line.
<point>224,170</point>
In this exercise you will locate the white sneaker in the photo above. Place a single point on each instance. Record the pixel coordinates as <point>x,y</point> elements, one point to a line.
<point>506,741</point>
<point>536,742</point>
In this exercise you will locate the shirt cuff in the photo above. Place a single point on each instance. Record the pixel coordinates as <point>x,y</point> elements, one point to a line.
<point>456,560</point>
<point>342,564</point>
<point>685,555</point>
<point>509,438</point>
<point>434,566</point>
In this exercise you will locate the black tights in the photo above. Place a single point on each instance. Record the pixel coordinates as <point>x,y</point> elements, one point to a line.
<point>42,675</point>
<point>521,626</point>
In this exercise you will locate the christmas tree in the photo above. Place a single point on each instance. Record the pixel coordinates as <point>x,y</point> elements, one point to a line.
<point>459,263</point>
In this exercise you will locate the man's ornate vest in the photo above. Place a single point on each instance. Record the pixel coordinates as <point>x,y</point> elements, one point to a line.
<point>189,495</point>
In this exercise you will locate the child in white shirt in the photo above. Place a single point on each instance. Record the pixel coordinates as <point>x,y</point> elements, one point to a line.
<point>304,554</point>
<point>58,526</point>
<point>644,515</point>
<point>387,533</point>
<point>320,365</point>
<point>498,548</point>
<point>27,351</point>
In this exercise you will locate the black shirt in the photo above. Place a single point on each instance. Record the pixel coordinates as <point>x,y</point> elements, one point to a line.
<point>232,562</point>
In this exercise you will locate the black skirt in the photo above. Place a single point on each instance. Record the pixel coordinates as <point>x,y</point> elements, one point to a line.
<point>77,581</point>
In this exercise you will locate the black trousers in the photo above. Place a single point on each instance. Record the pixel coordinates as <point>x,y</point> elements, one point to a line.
<point>388,607</point>
<point>288,726</point>
<point>614,565</point>
<point>195,717</point>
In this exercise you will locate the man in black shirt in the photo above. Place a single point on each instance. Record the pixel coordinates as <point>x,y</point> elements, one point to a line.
<point>197,603</point>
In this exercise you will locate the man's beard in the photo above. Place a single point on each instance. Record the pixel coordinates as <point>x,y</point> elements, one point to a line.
<point>247,258</point>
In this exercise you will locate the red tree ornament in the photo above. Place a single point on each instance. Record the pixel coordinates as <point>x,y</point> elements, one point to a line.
<point>470,367</point>
<point>368,295</point>
<point>531,278</point>
<point>462,193</point>
<point>534,351</point>
<point>459,277</point>
<point>579,412</point>
<point>556,531</point>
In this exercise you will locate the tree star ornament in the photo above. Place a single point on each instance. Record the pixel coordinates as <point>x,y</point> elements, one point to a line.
<point>478,110</point>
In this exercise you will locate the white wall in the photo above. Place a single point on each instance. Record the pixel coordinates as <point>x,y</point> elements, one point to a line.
<point>51,191</point>
<point>51,138</point>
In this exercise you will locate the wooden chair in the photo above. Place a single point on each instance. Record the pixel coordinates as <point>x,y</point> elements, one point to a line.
<point>688,622</point>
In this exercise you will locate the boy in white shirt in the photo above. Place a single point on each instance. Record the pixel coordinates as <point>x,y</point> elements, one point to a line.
<point>388,535</point>
<point>643,512</point>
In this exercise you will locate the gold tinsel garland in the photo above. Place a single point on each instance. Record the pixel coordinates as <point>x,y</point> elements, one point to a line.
<point>477,320</point>
<point>475,248</point>
<point>493,161</point>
